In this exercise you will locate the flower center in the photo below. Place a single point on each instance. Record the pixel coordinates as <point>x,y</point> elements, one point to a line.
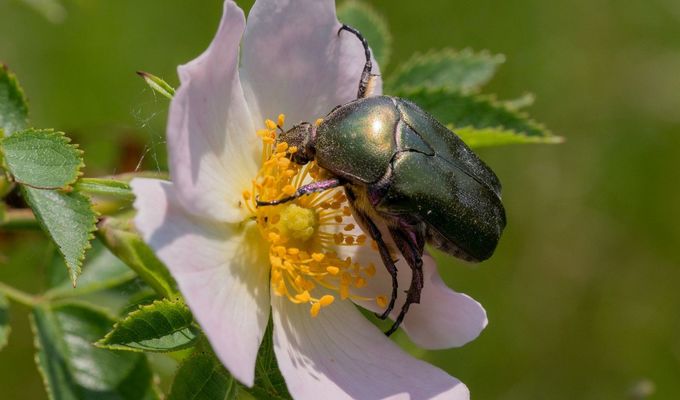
<point>305,234</point>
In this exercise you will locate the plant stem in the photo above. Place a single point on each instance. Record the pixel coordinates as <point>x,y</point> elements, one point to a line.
<point>17,295</point>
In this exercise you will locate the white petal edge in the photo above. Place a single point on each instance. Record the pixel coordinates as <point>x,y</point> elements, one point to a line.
<point>294,62</point>
<point>212,143</point>
<point>219,268</point>
<point>340,355</point>
<point>443,319</point>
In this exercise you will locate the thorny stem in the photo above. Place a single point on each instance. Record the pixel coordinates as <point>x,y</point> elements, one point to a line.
<point>17,295</point>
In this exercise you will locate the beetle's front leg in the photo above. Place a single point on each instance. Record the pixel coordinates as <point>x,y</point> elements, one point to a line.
<point>410,243</point>
<point>366,74</point>
<point>313,187</point>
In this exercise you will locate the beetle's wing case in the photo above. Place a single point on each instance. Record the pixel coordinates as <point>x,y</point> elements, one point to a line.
<point>446,143</point>
<point>448,188</point>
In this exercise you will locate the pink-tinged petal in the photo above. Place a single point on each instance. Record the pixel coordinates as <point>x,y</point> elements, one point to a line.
<point>220,270</point>
<point>294,62</point>
<point>211,137</point>
<point>340,355</point>
<point>443,319</point>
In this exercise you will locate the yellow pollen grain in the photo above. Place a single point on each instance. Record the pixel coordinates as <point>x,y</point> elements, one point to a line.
<point>318,122</point>
<point>281,147</point>
<point>332,270</point>
<point>271,125</point>
<point>273,237</point>
<point>281,120</point>
<point>303,297</point>
<point>318,257</point>
<point>314,310</point>
<point>381,301</point>
<point>326,300</point>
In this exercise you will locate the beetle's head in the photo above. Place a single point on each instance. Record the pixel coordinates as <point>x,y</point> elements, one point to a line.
<point>301,136</point>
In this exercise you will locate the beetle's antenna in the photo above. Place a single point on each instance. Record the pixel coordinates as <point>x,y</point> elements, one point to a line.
<point>366,74</point>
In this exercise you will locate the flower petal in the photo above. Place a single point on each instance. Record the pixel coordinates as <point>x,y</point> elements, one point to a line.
<point>211,137</point>
<point>220,269</point>
<point>443,319</point>
<point>294,62</point>
<point>340,355</point>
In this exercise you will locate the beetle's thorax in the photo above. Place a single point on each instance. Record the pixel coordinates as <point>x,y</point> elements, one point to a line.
<point>302,136</point>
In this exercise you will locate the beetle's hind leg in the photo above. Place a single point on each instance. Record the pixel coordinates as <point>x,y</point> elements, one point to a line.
<point>366,74</point>
<point>410,243</point>
<point>313,187</point>
<point>387,261</point>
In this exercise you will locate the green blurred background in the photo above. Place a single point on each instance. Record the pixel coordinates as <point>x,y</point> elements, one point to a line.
<point>582,294</point>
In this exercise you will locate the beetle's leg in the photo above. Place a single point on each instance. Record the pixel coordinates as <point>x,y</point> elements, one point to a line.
<point>366,73</point>
<point>313,187</point>
<point>387,262</point>
<point>409,243</point>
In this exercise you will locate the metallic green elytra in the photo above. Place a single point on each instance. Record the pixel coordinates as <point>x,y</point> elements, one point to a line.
<point>408,179</point>
<point>411,167</point>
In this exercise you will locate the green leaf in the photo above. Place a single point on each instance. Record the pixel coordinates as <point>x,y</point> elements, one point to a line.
<point>42,159</point>
<point>202,377</point>
<point>163,326</point>
<point>118,236</point>
<point>4,321</point>
<point>101,270</point>
<point>524,101</point>
<point>157,84</point>
<point>487,137</point>
<point>464,71</point>
<point>13,104</point>
<point>51,10</point>
<point>73,368</point>
<point>471,110</point>
<point>371,25</point>
<point>68,219</point>
<point>269,383</point>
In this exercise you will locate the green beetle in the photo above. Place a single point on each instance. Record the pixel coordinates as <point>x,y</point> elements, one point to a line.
<point>405,175</point>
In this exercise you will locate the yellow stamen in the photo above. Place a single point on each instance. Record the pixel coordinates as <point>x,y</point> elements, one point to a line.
<point>303,233</point>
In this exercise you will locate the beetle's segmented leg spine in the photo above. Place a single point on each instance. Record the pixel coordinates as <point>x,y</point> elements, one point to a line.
<point>387,261</point>
<point>412,251</point>
<point>366,74</point>
<point>303,190</point>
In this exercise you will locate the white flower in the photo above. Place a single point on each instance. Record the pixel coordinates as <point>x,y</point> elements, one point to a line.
<point>305,261</point>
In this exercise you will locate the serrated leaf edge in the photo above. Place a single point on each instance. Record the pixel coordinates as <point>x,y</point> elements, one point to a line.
<point>489,98</point>
<point>549,139</point>
<point>76,271</point>
<point>419,58</point>
<point>101,343</point>
<point>67,141</point>
<point>4,68</point>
